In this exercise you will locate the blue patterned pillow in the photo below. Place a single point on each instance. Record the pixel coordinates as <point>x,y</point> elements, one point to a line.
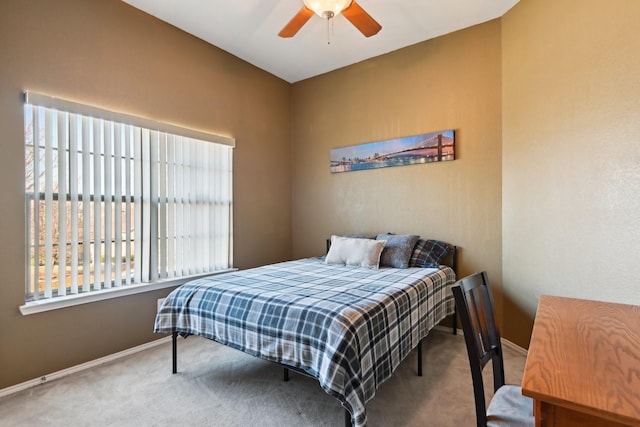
<point>428,253</point>
<point>397,250</point>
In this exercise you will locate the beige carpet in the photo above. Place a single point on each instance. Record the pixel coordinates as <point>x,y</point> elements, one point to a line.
<point>218,386</point>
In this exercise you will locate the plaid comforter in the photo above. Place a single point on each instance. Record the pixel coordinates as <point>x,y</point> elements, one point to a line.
<point>348,327</point>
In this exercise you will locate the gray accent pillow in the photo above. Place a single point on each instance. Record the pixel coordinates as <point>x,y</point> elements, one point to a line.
<point>398,249</point>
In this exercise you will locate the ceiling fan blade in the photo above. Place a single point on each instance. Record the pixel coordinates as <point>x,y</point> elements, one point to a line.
<point>361,19</point>
<point>296,23</point>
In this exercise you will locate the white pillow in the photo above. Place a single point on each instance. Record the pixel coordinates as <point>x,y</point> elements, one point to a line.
<point>356,252</point>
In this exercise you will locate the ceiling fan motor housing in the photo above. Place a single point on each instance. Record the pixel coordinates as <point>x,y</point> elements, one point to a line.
<point>327,8</point>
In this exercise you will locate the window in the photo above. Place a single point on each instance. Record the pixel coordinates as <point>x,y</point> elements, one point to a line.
<point>114,200</point>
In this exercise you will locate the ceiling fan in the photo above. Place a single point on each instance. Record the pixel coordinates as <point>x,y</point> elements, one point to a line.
<point>327,9</point>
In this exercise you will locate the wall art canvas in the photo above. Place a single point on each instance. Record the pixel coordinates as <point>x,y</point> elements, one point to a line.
<point>409,150</point>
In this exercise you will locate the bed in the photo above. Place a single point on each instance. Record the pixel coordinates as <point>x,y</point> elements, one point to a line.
<point>347,326</point>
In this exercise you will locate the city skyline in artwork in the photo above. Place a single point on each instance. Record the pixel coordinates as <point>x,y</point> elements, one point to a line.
<point>409,150</point>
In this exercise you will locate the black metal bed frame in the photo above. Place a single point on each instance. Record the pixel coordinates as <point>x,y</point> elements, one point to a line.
<point>347,414</point>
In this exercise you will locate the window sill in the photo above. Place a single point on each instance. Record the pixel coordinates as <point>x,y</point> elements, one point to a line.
<point>40,306</point>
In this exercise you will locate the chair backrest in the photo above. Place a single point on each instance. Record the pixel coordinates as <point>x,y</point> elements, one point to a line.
<point>474,302</point>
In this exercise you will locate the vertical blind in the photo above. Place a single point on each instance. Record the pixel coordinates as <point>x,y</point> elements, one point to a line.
<point>114,201</point>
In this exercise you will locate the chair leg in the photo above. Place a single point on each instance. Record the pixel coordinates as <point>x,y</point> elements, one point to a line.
<point>286,374</point>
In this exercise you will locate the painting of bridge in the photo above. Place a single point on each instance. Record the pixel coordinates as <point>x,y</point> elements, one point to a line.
<point>409,150</point>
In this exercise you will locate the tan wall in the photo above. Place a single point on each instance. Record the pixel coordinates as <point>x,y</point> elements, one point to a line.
<point>109,54</point>
<point>452,82</point>
<point>571,153</point>
<point>543,195</point>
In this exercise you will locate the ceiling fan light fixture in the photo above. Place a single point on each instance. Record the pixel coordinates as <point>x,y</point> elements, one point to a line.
<point>327,8</point>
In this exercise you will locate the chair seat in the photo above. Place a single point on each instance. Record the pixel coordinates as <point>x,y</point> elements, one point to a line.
<point>510,408</point>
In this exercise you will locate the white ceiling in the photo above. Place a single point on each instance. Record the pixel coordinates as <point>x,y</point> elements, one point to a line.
<point>249,29</point>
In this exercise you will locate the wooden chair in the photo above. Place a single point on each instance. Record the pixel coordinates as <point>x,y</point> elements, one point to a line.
<point>508,407</point>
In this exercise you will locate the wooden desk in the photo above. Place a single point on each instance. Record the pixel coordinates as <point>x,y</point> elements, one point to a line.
<point>583,366</point>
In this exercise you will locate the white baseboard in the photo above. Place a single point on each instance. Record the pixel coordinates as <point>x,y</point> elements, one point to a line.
<point>514,347</point>
<point>505,342</point>
<point>74,369</point>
